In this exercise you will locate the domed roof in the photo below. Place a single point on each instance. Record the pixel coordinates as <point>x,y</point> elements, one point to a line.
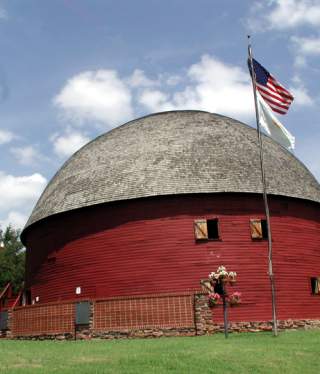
<point>179,152</point>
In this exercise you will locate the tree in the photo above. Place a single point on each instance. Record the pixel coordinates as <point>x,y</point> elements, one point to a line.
<point>12,258</point>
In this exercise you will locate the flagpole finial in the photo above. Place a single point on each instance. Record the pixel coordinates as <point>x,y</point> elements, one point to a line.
<point>249,48</point>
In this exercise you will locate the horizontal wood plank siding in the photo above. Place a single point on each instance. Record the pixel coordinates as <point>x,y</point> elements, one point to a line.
<point>148,246</point>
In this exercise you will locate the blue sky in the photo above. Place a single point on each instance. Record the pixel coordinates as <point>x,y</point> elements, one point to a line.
<point>73,69</point>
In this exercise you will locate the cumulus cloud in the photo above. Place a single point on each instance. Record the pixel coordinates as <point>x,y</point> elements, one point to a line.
<point>300,61</point>
<point>212,86</point>
<point>139,79</point>
<point>300,93</point>
<point>155,100</point>
<point>99,96</point>
<point>291,16</point>
<point>15,219</point>
<point>306,46</point>
<point>5,136</point>
<point>102,96</point>
<point>16,191</point>
<point>284,14</point>
<point>301,96</point>
<point>18,195</point>
<point>65,145</point>
<point>27,155</point>
<point>173,80</point>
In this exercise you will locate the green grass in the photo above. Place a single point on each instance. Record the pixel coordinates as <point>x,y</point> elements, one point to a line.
<point>291,352</point>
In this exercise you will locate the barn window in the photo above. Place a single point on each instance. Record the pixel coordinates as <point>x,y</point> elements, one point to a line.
<point>264,227</point>
<point>259,228</point>
<point>315,285</point>
<point>206,229</point>
<point>213,229</point>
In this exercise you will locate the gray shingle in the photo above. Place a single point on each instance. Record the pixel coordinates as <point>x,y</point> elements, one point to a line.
<point>169,153</point>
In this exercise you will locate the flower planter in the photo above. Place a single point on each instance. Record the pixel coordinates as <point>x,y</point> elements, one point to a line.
<point>213,299</point>
<point>234,304</point>
<point>212,303</point>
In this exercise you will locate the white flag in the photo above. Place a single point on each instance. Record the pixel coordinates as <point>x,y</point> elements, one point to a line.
<point>273,126</point>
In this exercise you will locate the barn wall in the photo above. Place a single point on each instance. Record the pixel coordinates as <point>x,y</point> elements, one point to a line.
<point>147,246</point>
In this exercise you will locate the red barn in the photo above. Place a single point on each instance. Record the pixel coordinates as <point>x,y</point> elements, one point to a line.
<point>120,219</point>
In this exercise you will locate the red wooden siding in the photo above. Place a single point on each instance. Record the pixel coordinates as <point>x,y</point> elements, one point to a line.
<point>148,246</point>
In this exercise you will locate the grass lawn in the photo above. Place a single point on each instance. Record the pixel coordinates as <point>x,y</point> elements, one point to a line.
<point>291,352</point>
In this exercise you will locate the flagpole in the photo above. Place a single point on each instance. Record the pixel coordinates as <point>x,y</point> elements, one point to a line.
<point>265,198</point>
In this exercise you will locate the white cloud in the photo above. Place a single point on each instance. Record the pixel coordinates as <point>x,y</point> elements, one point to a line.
<point>173,80</point>
<point>212,86</point>
<point>306,46</point>
<point>16,191</point>
<point>99,96</point>
<point>26,155</point>
<point>284,14</point>
<point>300,92</point>
<point>15,219</point>
<point>301,96</point>
<point>300,61</point>
<point>102,96</point>
<point>209,85</point>
<point>18,196</point>
<point>5,136</point>
<point>139,79</point>
<point>221,87</point>
<point>65,145</point>
<point>155,100</point>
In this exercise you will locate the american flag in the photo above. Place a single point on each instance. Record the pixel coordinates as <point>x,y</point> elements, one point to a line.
<point>278,98</point>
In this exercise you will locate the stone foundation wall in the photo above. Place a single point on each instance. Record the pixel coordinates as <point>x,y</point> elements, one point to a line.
<point>197,317</point>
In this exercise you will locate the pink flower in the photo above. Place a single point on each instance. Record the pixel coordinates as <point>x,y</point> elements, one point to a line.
<point>214,296</point>
<point>236,294</point>
<point>235,298</point>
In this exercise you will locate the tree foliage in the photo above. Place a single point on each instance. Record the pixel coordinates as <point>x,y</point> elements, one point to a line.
<point>12,258</point>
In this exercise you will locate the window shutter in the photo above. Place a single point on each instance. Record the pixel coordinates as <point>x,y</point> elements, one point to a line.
<point>200,229</point>
<point>256,229</point>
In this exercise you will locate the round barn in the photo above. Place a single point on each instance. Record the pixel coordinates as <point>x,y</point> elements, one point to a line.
<point>153,206</point>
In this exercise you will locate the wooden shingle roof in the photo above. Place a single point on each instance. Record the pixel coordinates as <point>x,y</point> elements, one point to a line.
<point>170,153</point>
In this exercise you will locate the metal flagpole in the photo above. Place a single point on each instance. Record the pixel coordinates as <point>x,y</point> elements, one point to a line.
<point>265,199</point>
